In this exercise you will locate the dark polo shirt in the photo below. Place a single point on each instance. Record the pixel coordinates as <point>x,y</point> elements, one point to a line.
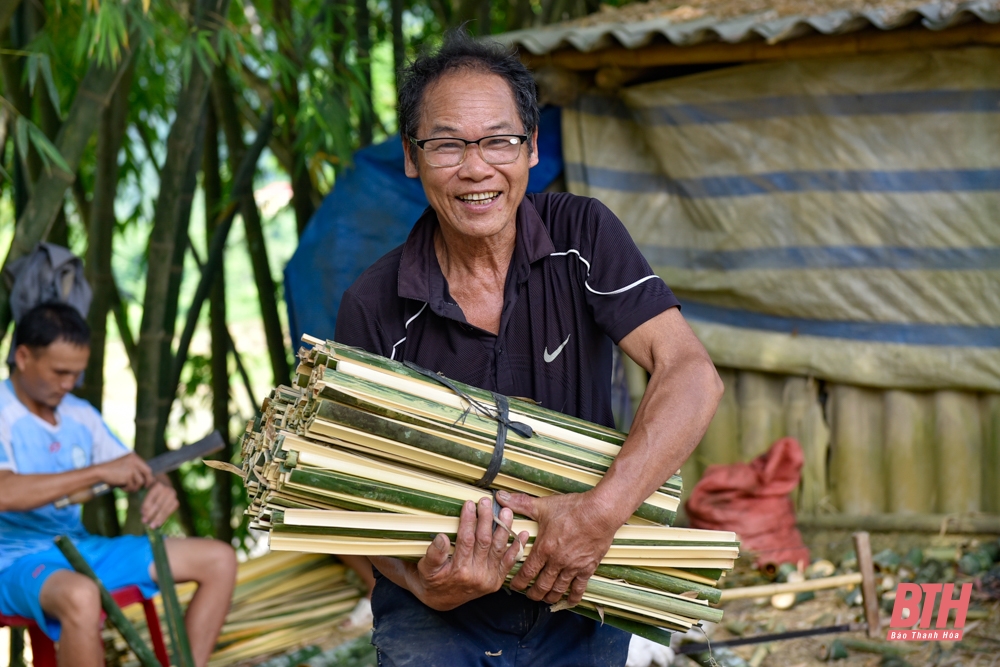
<point>576,283</point>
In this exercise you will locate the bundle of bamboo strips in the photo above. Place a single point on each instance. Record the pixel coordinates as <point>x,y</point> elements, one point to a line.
<point>282,600</point>
<point>367,456</point>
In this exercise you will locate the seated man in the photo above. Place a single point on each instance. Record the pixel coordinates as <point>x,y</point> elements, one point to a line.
<point>53,443</point>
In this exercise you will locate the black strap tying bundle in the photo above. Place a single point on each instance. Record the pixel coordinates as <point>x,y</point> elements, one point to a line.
<point>501,416</point>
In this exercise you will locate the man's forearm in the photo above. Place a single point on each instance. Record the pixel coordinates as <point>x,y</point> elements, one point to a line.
<point>20,493</point>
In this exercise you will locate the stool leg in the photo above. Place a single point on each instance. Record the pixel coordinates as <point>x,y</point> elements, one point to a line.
<point>43,651</point>
<point>155,634</point>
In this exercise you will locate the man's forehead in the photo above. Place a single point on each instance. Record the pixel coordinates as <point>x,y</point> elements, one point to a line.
<point>60,350</point>
<point>463,98</point>
<point>502,126</point>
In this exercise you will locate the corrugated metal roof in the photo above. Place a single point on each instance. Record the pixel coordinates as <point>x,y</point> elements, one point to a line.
<point>699,21</point>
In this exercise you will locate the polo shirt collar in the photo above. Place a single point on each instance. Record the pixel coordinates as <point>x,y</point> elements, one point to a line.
<point>420,277</point>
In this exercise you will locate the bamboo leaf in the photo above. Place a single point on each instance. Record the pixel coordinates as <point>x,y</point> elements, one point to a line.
<point>32,71</point>
<point>47,150</point>
<point>50,84</point>
<point>21,126</point>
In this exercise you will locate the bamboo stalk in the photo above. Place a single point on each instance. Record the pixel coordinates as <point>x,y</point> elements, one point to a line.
<point>111,608</point>
<point>47,194</point>
<point>242,183</point>
<point>224,97</point>
<point>153,360</point>
<point>175,618</point>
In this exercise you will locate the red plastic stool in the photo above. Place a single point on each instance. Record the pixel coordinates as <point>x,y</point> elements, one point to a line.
<point>44,651</point>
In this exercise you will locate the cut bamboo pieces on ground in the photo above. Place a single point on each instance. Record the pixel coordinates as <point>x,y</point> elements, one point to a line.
<point>367,456</point>
<point>282,601</point>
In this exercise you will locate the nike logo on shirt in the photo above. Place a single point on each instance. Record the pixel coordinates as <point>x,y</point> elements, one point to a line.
<point>549,358</point>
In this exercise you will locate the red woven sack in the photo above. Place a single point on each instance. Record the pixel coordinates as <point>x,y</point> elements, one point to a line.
<point>751,499</point>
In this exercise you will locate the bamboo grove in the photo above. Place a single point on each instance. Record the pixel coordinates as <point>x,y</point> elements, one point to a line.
<point>122,119</point>
<point>368,456</point>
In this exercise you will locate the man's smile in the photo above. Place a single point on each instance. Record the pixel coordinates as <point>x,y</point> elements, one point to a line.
<point>479,198</point>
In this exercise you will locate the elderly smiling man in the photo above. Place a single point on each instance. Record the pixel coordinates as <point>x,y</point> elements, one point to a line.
<point>522,295</point>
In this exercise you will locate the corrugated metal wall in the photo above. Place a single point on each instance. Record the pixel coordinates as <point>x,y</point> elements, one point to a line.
<point>866,451</point>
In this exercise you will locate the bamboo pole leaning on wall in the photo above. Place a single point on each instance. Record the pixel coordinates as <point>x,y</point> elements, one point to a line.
<point>856,471</point>
<point>805,422</point>
<point>909,452</point>
<point>958,441</point>
<point>989,409</point>
<point>761,414</point>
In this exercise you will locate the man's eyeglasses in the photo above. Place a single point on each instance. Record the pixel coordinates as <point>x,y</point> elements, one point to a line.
<point>450,151</point>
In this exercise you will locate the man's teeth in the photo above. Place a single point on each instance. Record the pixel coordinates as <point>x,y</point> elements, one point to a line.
<point>479,196</point>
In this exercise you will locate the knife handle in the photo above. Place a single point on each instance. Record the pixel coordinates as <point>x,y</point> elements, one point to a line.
<point>82,496</point>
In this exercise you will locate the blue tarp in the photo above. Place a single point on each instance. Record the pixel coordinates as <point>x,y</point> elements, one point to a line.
<point>368,213</point>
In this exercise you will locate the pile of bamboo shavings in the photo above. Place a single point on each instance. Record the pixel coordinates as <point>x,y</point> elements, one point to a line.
<point>281,601</point>
<point>369,457</point>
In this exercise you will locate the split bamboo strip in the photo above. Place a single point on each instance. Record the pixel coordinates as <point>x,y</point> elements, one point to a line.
<point>366,456</point>
<point>823,583</point>
<point>171,607</point>
<point>387,373</point>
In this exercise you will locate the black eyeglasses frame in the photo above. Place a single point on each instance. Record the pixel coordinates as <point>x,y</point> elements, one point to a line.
<point>419,143</point>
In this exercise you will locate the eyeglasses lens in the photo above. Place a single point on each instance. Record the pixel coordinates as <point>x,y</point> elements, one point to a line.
<point>502,149</point>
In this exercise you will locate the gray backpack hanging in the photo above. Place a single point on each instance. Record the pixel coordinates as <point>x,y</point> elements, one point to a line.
<point>49,273</point>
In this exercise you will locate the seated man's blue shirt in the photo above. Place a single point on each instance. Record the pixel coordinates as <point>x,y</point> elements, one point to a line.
<point>31,446</point>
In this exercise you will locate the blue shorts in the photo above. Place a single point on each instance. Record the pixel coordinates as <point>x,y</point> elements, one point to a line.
<point>502,629</point>
<point>117,561</point>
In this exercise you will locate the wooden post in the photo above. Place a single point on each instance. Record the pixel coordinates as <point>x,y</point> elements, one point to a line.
<point>804,421</point>
<point>989,409</point>
<point>856,477</point>
<point>721,442</point>
<point>909,453</point>
<point>761,414</point>
<point>863,549</point>
<point>958,446</point>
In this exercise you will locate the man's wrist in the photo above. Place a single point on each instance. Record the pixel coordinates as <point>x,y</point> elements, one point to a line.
<point>610,511</point>
<point>96,475</point>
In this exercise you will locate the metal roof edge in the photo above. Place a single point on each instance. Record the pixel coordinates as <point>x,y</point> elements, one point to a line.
<point>935,15</point>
